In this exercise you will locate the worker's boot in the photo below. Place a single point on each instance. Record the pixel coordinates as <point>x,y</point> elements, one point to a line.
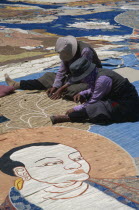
<point>60,119</point>
<point>11,82</point>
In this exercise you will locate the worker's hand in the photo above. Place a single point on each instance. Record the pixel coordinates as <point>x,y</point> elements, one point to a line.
<point>79,98</point>
<point>69,111</point>
<point>50,91</point>
<point>76,98</point>
<point>56,95</point>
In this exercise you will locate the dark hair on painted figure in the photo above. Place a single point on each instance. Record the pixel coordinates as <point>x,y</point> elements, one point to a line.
<point>7,164</point>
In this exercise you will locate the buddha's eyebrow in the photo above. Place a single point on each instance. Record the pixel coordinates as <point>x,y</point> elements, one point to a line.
<point>74,153</point>
<point>43,159</point>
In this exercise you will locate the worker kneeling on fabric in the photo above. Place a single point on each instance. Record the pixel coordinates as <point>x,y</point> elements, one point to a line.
<point>110,97</point>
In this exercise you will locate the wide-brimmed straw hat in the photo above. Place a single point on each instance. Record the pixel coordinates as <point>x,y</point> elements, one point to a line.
<point>80,69</point>
<point>66,47</point>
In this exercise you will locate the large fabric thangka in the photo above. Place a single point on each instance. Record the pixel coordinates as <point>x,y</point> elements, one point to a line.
<point>62,167</point>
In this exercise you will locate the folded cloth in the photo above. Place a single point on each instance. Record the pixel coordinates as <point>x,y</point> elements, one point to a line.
<point>5,90</point>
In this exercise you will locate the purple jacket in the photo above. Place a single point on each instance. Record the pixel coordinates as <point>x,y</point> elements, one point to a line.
<point>97,89</point>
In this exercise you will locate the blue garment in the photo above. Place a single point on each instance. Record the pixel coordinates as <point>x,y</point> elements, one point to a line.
<point>19,202</point>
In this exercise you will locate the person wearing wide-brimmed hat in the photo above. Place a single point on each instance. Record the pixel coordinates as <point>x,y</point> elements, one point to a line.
<point>69,49</point>
<point>110,97</point>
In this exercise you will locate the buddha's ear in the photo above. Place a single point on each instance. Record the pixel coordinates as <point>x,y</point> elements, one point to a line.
<point>22,172</point>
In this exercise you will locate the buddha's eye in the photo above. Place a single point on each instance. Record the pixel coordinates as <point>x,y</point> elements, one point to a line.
<point>78,158</point>
<point>51,163</point>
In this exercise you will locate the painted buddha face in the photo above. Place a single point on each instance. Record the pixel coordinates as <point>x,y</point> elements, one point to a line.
<point>53,164</point>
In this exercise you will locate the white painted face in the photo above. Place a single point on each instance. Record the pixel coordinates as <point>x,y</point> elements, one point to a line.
<point>53,164</point>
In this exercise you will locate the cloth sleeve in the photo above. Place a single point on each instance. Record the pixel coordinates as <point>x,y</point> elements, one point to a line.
<point>87,53</point>
<point>102,88</point>
<point>60,75</point>
<point>85,92</point>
